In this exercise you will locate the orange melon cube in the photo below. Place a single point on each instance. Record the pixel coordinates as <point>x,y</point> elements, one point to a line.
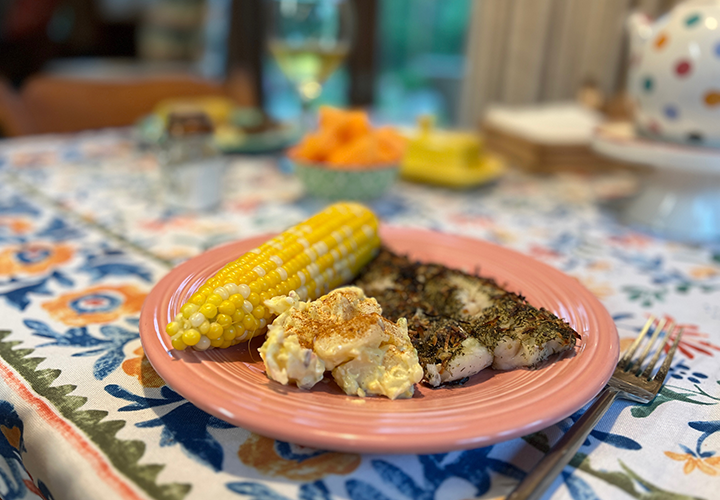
<point>356,124</point>
<point>317,146</point>
<point>391,144</point>
<point>329,117</point>
<point>361,151</point>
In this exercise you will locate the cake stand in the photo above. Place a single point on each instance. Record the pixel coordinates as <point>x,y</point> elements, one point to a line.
<point>680,199</point>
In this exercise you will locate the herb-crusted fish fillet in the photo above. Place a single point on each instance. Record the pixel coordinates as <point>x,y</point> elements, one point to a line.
<point>461,323</point>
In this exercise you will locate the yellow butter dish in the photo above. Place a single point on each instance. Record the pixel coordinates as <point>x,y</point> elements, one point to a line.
<point>448,158</point>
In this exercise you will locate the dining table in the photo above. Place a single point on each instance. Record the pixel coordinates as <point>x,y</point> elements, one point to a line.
<point>86,237</point>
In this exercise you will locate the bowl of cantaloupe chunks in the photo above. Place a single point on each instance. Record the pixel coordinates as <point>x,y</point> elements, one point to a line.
<point>346,157</point>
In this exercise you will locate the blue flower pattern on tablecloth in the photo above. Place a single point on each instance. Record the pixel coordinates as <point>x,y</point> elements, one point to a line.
<point>15,481</point>
<point>258,491</point>
<point>12,479</point>
<point>288,452</point>
<point>185,424</point>
<point>18,293</point>
<point>110,347</point>
<point>473,466</point>
<point>59,230</point>
<point>109,262</point>
<point>707,429</point>
<point>18,205</point>
<point>681,371</point>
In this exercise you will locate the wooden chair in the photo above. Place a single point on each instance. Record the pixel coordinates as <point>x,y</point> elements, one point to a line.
<point>53,104</point>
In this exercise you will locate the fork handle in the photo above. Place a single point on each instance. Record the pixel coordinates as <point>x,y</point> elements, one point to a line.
<point>545,472</point>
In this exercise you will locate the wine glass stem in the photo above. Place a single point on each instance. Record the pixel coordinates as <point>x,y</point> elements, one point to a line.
<point>307,119</point>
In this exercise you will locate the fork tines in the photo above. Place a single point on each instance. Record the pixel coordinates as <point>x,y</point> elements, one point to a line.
<point>661,329</point>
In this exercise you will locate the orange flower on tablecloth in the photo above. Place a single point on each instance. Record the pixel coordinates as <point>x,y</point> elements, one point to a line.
<point>33,158</point>
<point>600,290</point>
<point>541,252</point>
<point>12,435</point>
<point>708,465</point>
<point>501,235</point>
<point>246,204</point>
<point>141,369</point>
<point>34,258</point>
<point>99,304</point>
<point>704,272</point>
<point>299,463</point>
<point>17,225</point>
<point>692,341</point>
<point>599,265</point>
<point>635,240</point>
<point>626,342</point>
<point>472,220</point>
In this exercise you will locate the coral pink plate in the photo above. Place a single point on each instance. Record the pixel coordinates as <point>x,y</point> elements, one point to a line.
<point>491,407</point>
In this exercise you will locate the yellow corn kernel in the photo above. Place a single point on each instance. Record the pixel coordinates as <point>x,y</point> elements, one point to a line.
<point>259,312</point>
<point>254,299</point>
<point>204,328</point>
<point>237,299</point>
<point>214,299</point>
<point>191,336</point>
<point>250,323</point>
<point>198,299</point>
<point>215,331</point>
<point>189,309</point>
<point>229,333</point>
<point>172,328</point>
<point>227,307</point>
<point>208,310</point>
<point>178,344</point>
<point>224,320</point>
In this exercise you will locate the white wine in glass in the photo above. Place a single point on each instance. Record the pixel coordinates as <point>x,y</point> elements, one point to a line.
<point>308,65</point>
<point>309,39</point>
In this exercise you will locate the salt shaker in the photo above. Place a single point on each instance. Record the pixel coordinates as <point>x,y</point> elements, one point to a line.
<point>191,165</point>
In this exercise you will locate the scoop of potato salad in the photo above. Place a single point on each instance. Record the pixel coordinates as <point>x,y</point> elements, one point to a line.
<point>343,332</point>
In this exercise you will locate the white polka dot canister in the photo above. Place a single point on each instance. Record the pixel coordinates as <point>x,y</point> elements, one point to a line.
<point>674,74</point>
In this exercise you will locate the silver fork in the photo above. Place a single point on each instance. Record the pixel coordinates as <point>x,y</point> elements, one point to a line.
<point>629,381</point>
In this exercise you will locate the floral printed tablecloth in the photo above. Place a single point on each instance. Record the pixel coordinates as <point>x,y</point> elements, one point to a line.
<point>84,236</point>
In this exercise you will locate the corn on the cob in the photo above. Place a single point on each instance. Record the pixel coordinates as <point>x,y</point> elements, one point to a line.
<point>311,258</point>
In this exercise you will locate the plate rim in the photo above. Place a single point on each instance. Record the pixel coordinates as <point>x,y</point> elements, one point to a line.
<point>376,442</point>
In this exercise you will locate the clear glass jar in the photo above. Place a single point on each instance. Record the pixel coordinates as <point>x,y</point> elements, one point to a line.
<point>191,165</point>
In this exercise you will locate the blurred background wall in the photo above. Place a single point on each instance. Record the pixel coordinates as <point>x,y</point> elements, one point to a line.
<point>451,58</point>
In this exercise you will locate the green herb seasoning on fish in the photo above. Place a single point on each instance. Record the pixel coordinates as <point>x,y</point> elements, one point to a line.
<point>460,323</point>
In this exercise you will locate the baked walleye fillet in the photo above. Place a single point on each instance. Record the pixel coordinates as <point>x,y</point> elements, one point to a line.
<point>461,323</point>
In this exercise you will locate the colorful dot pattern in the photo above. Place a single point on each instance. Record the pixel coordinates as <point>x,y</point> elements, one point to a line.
<point>693,20</point>
<point>648,84</point>
<point>682,69</point>
<point>671,112</point>
<point>661,40</point>
<point>712,98</point>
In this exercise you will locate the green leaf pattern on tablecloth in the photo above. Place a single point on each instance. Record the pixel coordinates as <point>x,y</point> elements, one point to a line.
<point>123,454</point>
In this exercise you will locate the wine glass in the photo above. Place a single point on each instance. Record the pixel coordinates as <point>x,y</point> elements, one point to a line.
<point>309,39</point>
